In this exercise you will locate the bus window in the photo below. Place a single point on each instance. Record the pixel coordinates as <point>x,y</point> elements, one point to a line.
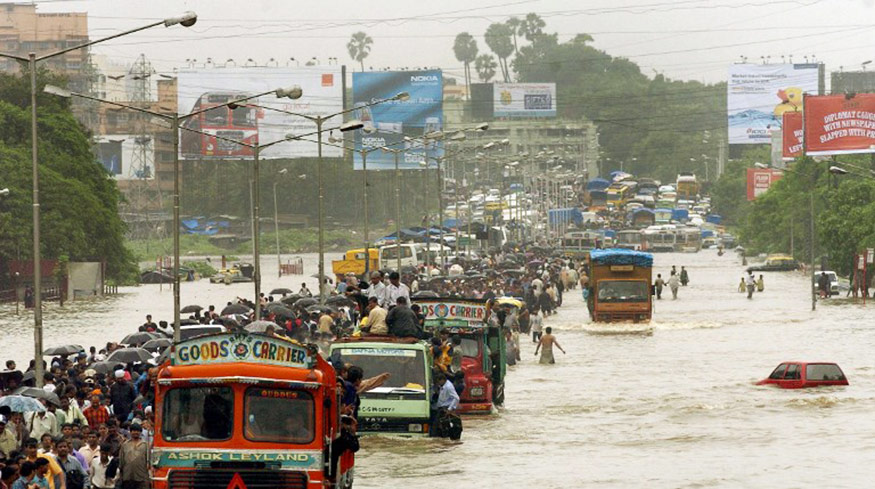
<point>243,117</point>
<point>279,415</point>
<point>198,414</point>
<point>217,116</point>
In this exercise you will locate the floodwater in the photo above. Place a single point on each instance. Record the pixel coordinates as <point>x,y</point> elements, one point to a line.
<point>676,408</point>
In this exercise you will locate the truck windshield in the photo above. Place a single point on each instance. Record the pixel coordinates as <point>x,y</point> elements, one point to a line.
<point>279,415</point>
<point>470,348</point>
<point>198,414</point>
<point>623,291</point>
<point>406,368</point>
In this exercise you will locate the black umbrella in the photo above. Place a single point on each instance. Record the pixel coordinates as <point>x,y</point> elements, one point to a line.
<point>187,322</point>
<point>281,290</point>
<point>290,299</point>
<point>191,309</point>
<point>129,355</point>
<point>305,302</point>
<point>38,393</point>
<point>64,350</point>
<point>137,339</point>
<point>339,301</point>
<point>157,344</point>
<point>261,326</point>
<point>105,367</point>
<point>321,308</point>
<point>282,311</point>
<point>273,305</point>
<point>235,309</point>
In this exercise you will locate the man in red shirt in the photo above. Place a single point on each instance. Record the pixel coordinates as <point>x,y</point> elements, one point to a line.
<point>96,413</point>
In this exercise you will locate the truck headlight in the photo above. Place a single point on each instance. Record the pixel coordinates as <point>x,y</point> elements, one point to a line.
<point>414,428</point>
<point>477,392</point>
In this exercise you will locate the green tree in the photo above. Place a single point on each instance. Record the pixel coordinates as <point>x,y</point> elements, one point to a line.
<point>498,38</point>
<point>359,47</point>
<point>485,66</point>
<point>531,27</point>
<point>465,49</point>
<point>78,198</point>
<point>514,23</point>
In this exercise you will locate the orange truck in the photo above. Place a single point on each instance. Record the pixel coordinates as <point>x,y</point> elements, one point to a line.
<point>620,286</point>
<point>243,410</point>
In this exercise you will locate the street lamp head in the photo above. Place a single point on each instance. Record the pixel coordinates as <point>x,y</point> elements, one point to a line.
<point>423,163</point>
<point>293,93</point>
<point>352,125</point>
<point>761,166</point>
<point>283,171</point>
<point>401,97</point>
<point>458,136</point>
<point>837,170</point>
<point>60,92</point>
<point>334,140</point>
<point>187,19</point>
<point>481,127</point>
<point>4,192</point>
<point>505,141</point>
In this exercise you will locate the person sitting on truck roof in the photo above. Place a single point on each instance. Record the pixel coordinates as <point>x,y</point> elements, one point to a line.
<point>402,322</point>
<point>376,318</point>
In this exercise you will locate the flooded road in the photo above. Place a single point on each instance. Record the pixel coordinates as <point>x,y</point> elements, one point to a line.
<point>675,408</point>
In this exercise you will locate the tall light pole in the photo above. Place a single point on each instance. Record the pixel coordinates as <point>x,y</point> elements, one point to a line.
<point>319,120</point>
<point>187,19</point>
<point>276,225</point>
<point>175,123</point>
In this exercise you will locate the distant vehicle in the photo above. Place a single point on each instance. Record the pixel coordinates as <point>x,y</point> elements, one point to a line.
<point>241,272</point>
<point>728,240</point>
<point>191,331</point>
<point>776,263</point>
<point>219,126</point>
<point>687,186</point>
<point>799,375</point>
<point>833,281</point>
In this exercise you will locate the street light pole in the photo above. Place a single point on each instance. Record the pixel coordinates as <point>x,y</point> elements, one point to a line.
<point>364,153</point>
<point>256,229</point>
<point>276,227</point>
<point>397,212</point>
<point>441,219</point>
<point>176,221</point>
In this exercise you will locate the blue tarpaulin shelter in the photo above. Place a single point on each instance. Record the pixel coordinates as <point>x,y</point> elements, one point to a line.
<point>567,215</point>
<point>617,256</point>
<point>597,184</point>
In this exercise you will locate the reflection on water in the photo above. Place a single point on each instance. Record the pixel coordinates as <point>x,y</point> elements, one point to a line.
<point>675,408</point>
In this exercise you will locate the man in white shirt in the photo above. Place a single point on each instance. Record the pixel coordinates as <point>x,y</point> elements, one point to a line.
<point>91,448</point>
<point>97,470</point>
<point>396,289</point>
<point>377,288</point>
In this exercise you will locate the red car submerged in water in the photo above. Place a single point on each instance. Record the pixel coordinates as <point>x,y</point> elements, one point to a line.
<point>798,375</point>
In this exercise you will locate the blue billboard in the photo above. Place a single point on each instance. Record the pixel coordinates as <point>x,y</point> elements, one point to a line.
<point>388,124</point>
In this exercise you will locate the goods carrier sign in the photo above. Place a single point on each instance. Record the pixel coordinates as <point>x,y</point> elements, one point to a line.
<point>241,348</point>
<point>452,309</point>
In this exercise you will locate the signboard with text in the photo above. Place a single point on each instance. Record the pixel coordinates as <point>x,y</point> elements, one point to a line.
<point>760,180</point>
<point>792,135</point>
<point>524,100</point>
<point>241,348</point>
<point>758,96</point>
<point>839,124</point>
<point>450,309</point>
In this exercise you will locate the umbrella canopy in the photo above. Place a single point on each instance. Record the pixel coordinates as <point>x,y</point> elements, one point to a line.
<point>137,339</point>
<point>106,366</point>
<point>64,350</point>
<point>273,305</point>
<point>157,344</point>
<point>321,308</point>
<point>514,272</point>
<point>290,299</point>
<point>235,309</point>
<point>22,404</point>
<point>339,301</point>
<point>305,302</point>
<point>281,290</point>
<point>261,326</point>
<point>37,393</point>
<point>283,311</point>
<point>191,309</point>
<point>129,355</point>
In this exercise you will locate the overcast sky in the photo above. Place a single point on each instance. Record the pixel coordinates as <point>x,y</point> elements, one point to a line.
<point>684,39</point>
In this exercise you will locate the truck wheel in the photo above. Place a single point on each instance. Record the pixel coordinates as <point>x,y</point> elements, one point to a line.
<point>498,399</point>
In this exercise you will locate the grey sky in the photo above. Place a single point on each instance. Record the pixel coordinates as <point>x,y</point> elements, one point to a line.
<point>685,39</point>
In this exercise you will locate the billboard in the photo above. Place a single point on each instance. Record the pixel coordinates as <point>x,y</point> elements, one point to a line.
<point>199,89</point>
<point>839,124</point>
<point>524,100</point>
<point>127,156</point>
<point>387,124</point>
<point>852,82</point>
<point>758,96</point>
<point>761,179</point>
<point>792,135</point>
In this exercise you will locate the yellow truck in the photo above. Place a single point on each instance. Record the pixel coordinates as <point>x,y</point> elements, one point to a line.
<point>620,286</point>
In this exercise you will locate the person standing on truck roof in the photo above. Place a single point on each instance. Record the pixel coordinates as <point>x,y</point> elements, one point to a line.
<point>674,284</point>
<point>396,289</point>
<point>402,322</point>
<point>659,284</point>
<point>378,289</point>
<point>545,345</point>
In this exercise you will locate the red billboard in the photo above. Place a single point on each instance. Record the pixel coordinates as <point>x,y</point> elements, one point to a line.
<point>760,179</point>
<point>792,134</point>
<point>839,124</point>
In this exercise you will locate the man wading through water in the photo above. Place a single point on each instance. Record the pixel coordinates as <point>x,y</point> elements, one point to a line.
<point>546,346</point>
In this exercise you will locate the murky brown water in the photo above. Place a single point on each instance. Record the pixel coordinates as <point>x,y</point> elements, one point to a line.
<point>676,408</point>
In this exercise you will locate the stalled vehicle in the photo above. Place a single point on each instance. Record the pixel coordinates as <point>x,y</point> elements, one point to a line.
<point>620,282</point>
<point>248,410</point>
<point>799,375</point>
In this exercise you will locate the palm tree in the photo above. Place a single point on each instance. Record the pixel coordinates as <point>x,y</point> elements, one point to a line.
<point>514,23</point>
<point>532,26</point>
<point>498,38</point>
<point>359,47</point>
<point>485,66</point>
<point>465,49</point>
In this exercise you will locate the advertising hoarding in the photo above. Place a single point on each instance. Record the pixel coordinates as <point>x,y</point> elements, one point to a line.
<point>388,123</point>
<point>524,100</point>
<point>124,158</point>
<point>197,89</point>
<point>792,135</point>
<point>839,124</point>
<point>761,179</point>
<point>759,95</point>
